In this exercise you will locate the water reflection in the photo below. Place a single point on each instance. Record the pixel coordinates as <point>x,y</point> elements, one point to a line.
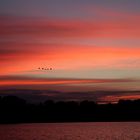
<point>72,131</point>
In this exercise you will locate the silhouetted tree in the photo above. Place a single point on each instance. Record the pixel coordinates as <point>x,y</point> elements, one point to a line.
<point>16,110</point>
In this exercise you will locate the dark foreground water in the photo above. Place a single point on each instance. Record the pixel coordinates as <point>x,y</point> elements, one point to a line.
<point>72,131</point>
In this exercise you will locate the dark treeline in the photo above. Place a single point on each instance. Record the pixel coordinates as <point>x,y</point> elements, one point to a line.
<point>17,110</point>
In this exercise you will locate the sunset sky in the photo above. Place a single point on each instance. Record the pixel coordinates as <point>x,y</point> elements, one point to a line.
<point>93,47</point>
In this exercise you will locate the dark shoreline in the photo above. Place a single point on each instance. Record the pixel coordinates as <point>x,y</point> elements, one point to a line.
<point>14,110</point>
<point>69,122</point>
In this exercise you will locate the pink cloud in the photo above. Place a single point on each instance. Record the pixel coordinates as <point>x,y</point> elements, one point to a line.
<point>18,80</point>
<point>70,29</point>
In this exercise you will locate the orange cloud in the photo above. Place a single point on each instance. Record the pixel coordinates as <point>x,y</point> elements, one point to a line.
<point>67,57</point>
<point>20,52</point>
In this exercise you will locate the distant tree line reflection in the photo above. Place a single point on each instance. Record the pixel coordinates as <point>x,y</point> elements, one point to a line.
<point>16,110</point>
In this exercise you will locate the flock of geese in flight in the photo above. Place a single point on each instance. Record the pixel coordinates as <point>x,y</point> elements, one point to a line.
<point>42,68</point>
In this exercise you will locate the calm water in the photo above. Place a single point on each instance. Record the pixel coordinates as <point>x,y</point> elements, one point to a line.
<point>72,131</point>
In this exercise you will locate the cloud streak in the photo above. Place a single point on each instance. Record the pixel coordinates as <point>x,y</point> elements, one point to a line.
<point>48,28</point>
<point>30,36</point>
<point>100,96</point>
<point>7,81</point>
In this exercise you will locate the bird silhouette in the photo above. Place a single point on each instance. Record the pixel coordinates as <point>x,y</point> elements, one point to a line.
<point>43,68</point>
